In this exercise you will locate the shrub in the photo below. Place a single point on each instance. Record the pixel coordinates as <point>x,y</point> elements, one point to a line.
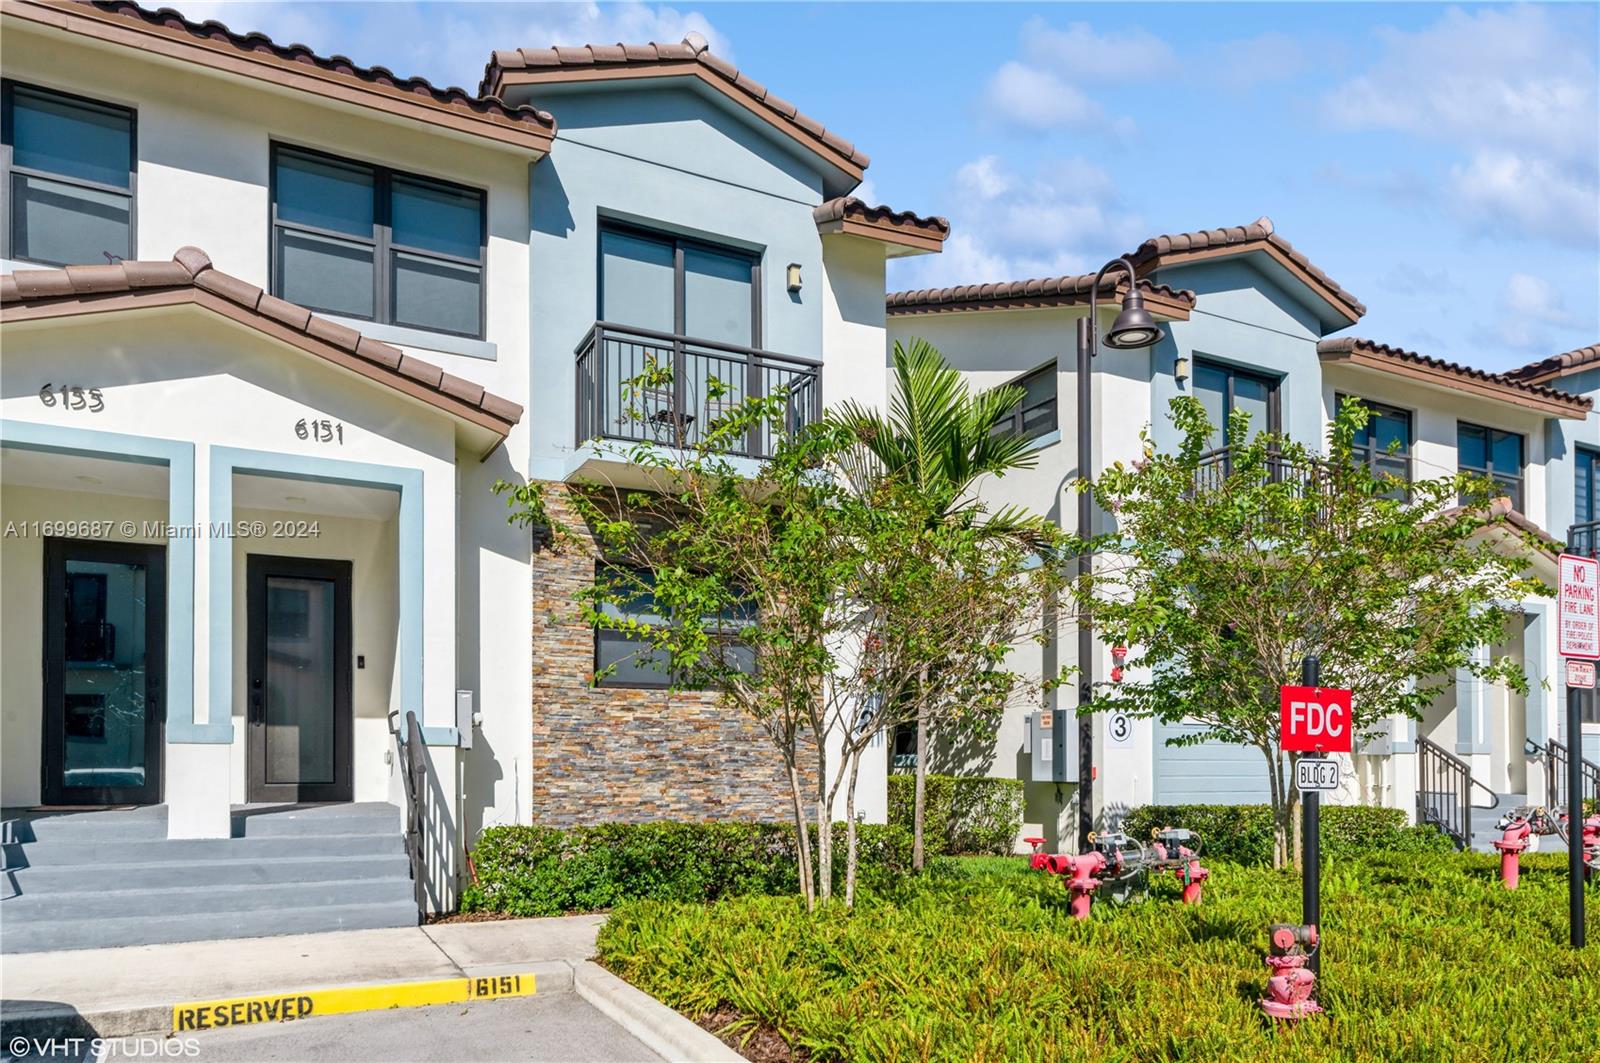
<point>964,816</point>
<point>1243,833</point>
<point>532,870</point>
<point>1424,958</point>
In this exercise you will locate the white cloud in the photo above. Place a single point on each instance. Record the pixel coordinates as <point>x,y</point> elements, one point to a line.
<point>1062,217</point>
<point>449,43</point>
<point>1039,100</point>
<point>1046,88</point>
<point>1081,53</point>
<point>1516,92</point>
<point>1532,310</point>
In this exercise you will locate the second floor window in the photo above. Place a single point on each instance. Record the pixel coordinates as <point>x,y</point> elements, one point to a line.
<point>1494,454</point>
<point>1586,500</point>
<point>1223,389</point>
<point>375,244</point>
<point>1035,415</point>
<point>1384,442</point>
<point>679,286</point>
<point>69,166</point>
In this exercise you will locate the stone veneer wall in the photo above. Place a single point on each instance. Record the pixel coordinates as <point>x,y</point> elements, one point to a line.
<point>604,755</point>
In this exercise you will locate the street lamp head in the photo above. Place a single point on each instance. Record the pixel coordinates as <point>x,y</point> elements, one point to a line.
<point>1134,327</point>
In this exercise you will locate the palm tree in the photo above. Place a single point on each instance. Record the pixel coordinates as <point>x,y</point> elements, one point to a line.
<point>942,438</point>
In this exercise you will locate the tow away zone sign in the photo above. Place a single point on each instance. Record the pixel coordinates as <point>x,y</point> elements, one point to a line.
<point>1578,606</point>
<point>285,1007</point>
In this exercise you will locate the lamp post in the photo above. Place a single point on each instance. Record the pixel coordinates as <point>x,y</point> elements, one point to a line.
<point>1134,329</point>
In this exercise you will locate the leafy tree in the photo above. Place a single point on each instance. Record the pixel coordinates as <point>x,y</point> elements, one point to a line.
<point>1228,568</point>
<point>940,439</point>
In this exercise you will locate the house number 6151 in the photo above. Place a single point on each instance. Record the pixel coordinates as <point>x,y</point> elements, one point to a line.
<point>323,431</point>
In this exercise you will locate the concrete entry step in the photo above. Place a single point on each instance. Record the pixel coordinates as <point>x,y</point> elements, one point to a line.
<point>278,821</point>
<point>157,903</point>
<point>200,926</point>
<point>196,874</point>
<point>21,826</point>
<point>104,854</point>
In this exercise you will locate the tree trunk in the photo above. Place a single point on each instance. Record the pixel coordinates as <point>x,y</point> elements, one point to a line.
<point>802,829</point>
<point>824,827</point>
<point>920,803</point>
<point>1280,810</point>
<point>850,832</point>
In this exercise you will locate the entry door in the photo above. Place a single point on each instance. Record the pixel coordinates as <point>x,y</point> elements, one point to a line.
<point>299,679</point>
<point>104,669</point>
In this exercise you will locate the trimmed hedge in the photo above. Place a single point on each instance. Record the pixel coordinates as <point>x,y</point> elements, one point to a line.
<point>1243,833</point>
<point>968,817</point>
<point>531,870</point>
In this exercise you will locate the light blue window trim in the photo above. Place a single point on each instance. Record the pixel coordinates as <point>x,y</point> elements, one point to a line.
<point>420,338</point>
<point>226,462</point>
<point>1533,663</point>
<point>178,457</point>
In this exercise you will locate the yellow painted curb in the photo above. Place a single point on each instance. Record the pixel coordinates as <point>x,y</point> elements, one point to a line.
<point>285,1007</point>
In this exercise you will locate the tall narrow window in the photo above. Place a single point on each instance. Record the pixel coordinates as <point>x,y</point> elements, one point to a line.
<point>1035,415</point>
<point>370,243</point>
<point>69,165</point>
<point>1384,442</point>
<point>1223,389</point>
<point>1586,490</point>
<point>679,286</point>
<point>1493,454</point>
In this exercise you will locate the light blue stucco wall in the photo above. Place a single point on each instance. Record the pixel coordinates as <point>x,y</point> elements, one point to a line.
<point>1245,318</point>
<point>1562,437</point>
<point>669,158</point>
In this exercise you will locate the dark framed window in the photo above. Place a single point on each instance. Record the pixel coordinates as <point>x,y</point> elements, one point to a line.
<point>1384,442</point>
<point>632,661</point>
<point>1586,486</point>
<point>1035,415</point>
<point>677,285</point>
<point>1222,389</point>
<point>1493,454</point>
<point>377,244</point>
<point>69,167</point>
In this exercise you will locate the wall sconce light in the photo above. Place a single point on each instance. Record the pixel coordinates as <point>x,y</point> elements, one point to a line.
<point>794,276</point>
<point>1180,368</point>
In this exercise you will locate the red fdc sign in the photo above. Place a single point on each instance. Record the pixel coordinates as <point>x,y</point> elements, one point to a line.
<point>1314,720</point>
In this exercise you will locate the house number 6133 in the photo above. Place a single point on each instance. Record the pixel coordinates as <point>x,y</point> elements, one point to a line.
<point>73,397</point>
<point>322,431</point>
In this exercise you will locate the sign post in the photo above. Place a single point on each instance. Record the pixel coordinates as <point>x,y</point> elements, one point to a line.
<point>1314,720</point>
<point>1578,632</point>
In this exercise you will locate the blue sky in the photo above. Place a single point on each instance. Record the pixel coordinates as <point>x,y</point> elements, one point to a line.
<point>1439,161</point>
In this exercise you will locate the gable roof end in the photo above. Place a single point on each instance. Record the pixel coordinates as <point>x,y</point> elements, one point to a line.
<point>1175,248</point>
<point>901,228</point>
<point>40,294</point>
<point>254,55</point>
<point>1558,365</point>
<point>1501,386</point>
<point>693,57</point>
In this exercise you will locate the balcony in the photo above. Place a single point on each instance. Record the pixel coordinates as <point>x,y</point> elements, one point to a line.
<point>1584,538</point>
<point>613,402</point>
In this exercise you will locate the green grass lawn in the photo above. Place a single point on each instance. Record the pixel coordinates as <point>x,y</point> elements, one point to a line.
<point>1425,958</point>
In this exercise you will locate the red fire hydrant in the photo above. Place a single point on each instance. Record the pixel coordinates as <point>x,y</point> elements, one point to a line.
<point>1080,871</point>
<point>1511,845</point>
<point>1289,982</point>
<point>1190,874</point>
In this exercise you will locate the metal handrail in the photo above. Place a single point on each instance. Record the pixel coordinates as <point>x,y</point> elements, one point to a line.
<point>1444,792</point>
<point>412,758</point>
<point>1584,538</point>
<point>688,341</point>
<point>1555,774</point>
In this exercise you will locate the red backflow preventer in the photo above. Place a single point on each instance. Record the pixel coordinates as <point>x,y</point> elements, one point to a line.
<point>1118,866</point>
<point>1524,825</point>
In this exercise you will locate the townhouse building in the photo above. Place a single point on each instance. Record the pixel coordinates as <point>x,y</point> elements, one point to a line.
<point>274,326</point>
<point>1250,324</point>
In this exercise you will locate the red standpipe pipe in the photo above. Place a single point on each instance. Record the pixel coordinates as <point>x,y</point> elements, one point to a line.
<point>1511,845</point>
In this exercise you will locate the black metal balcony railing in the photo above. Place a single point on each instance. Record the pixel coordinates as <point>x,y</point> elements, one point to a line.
<point>1584,538</point>
<point>1555,766</point>
<point>614,401</point>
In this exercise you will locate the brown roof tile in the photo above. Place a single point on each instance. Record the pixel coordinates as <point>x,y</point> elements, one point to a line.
<point>1161,250</point>
<point>1558,365</point>
<point>1031,294</point>
<point>212,42</point>
<point>848,214</point>
<point>1452,374</point>
<point>29,290</point>
<point>533,65</point>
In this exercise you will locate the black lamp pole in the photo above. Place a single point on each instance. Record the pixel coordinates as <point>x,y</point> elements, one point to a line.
<point>1133,329</point>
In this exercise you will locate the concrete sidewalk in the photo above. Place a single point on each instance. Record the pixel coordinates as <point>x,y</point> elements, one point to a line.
<point>132,991</point>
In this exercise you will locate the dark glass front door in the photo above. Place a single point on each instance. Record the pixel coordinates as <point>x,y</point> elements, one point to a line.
<point>104,666</point>
<point>299,679</point>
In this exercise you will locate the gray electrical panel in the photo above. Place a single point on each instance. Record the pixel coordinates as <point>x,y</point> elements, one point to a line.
<point>1053,745</point>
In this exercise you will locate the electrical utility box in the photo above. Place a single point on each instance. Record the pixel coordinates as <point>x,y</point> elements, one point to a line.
<point>1053,745</point>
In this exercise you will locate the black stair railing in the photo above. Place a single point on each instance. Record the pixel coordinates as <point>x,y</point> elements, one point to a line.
<point>1555,775</point>
<point>1444,792</point>
<point>413,761</point>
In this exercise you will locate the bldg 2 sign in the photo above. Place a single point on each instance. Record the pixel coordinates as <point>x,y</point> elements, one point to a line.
<point>1314,720</point>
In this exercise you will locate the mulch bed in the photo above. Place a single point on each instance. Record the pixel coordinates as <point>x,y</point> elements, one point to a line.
<point>764,1044</point>
<point>471,917</point>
